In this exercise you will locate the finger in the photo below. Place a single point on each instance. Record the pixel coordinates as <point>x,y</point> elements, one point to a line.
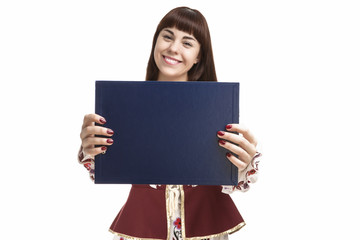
<point>237,162</point>
<point>96,130</point>
<point>240,140</point>
<point>90,119</point>
<point>241,153</point>
<point>234,127</point>
<point>90,142</point>
<point>95,151</point>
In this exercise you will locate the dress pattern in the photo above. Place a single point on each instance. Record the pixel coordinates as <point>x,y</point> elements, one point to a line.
<point>177,229</point>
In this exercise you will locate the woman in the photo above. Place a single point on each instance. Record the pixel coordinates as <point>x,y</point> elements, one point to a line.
<point>181,51</point>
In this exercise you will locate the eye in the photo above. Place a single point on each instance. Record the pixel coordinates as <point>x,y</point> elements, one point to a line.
<point>167,37</point>
<point>188,44</point>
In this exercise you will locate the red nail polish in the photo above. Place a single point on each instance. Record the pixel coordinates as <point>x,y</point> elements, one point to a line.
<point>109,140</point>
<point>228,154</point>
<point>228,126</point>
<point>220,133</point>
<point>102,120</point>
<point>103,148</point>
<point>109,131</point>
<point>222,142</point>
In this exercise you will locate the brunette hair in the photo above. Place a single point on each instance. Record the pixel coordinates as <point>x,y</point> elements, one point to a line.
<point>193,22</point>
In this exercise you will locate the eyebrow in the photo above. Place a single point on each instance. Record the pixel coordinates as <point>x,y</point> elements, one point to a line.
<point>185,37</point>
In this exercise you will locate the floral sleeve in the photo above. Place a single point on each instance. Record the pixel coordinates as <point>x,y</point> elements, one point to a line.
<point>88,162</point>
<point>246,176</point>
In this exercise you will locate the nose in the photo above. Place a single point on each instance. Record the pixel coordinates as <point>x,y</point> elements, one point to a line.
<point>174,47</point>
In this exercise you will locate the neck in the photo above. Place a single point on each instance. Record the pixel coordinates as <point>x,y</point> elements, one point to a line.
<point>184,78</point>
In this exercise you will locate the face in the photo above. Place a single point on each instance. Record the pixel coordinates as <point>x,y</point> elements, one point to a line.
<point>175,53</point>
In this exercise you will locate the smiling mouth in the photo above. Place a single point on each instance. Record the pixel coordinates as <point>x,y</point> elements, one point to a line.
<point>171,61</point>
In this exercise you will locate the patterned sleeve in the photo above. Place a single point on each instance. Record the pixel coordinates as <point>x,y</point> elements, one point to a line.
<point>245,177</point>
<point>88,162</point>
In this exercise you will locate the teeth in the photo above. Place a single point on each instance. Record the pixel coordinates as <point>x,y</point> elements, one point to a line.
<point>172,61</point>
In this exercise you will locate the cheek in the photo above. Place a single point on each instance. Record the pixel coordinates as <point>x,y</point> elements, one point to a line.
<point>157,52</point>
<point>159,46</point>
<point>156,49</point>
<point>192,56</point>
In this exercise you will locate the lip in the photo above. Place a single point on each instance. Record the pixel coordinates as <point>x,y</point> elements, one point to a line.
<point>170,60</point>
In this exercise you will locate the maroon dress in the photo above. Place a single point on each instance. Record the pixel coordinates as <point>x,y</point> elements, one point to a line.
<point>206,213</point>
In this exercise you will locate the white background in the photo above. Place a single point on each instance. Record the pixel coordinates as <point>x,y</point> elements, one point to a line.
<point>298,63</point>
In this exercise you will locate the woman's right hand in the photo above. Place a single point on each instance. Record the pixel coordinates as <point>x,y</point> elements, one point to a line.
<point>88,132</point>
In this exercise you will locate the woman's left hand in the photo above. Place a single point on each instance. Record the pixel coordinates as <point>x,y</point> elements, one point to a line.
<point>243,145</point>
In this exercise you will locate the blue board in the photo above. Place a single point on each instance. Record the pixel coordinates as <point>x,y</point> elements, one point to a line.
<point>166,132</point>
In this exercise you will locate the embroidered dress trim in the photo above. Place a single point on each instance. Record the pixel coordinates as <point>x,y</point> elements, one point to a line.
<point>172,193</point>
<point>182,213</point>
<point>168,213</point>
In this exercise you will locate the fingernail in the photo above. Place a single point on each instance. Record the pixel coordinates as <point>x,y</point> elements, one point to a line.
<point>103,148</point>
<point>102,120</point>
<point>109,140</point>
<point>228,154</point>
<point>228,126</point>
<point>221,133</point>
<point>222,142</point>
<point>109,131</point>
